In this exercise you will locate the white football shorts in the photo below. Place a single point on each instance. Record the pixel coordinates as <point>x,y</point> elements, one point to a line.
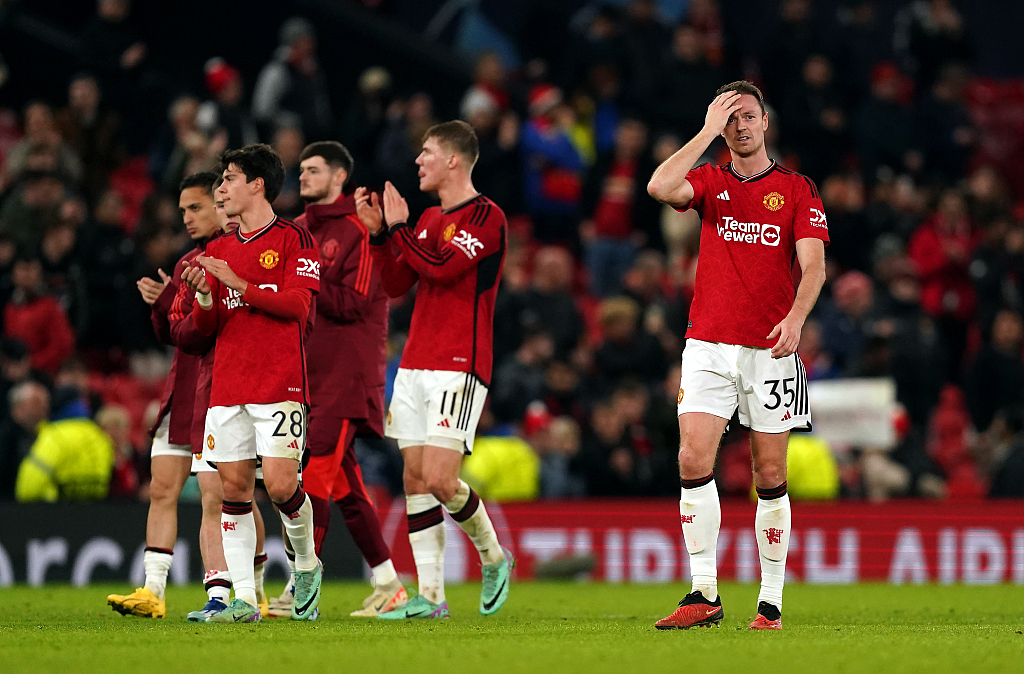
<point>243,432</point>
<point>435,407</point>
<point>161,447</point>
<point>771,394</point>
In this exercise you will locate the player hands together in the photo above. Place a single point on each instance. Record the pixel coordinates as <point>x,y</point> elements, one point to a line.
<point>151,289</point>
<point>788,332</point>
<point>222,272</point>
<point>195,278</point>
<point>396,210</point>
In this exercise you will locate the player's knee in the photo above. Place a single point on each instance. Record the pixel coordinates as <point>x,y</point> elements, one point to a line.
<point>163,491</point>
<point>770,474</point>
<point>692,462</point>
<point>443,487</point>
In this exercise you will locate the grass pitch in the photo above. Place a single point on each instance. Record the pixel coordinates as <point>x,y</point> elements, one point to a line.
<point>545,627</point>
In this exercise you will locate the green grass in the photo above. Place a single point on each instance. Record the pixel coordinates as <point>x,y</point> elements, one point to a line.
<point>545,627</point>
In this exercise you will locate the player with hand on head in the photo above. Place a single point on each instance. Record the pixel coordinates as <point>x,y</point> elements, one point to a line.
<point>253,291</point>
<point>347,359</point>
<point>456,253</point>
<point>745,324</point>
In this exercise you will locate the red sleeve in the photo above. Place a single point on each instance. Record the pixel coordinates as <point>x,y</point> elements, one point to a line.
<point>345,287</point>
<point>396,276</point>
<point>925,251</point>
<point>697,178</point>
<point>184,333</point>
<point>206,320</point>
<point>809,221</point>
<point>291,304</point>
<point>479,237</point>
<point>158,315</point>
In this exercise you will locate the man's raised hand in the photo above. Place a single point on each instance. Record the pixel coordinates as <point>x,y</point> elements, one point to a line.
<point>721,110</point>
<point>395,208</point>
<point>368,209</point>
<point>223,273</point>
<point>151,289</point>
<point>195,278</point>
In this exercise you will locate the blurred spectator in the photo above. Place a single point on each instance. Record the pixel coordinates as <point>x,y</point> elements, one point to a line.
<point>706,17</point>
<point>930,34</point>
<point>520,379</point>
<point>27,210</point>
<point>552,166</point>
<point>941,249</point>
<point>560,470</point>
<point>611,465</point>
<point>998,269</point>
<point>106,256</point>
<point>42,148</point>
<point>363,121</point>
<point>181,148</point>
<point>627,351</point>
<point>851,240</point>
<point>291,90</point>
<point>845,321</point>
<point>15,367</point>
<point>490,80</point>
<point>225,110</point>
<point>62,270</point>
<point>117,424</point>
<point>788,46</point>
<point>686,83</point>
<point>70,460</point>
<point>496,172</point>
<point>401,142</point>
<point>817,362</point>
<point>564,393</point>
<point>29,405</point>
<point>614,204</point>
<point>648,36</point>
<point>288,143</point>
<point>996,378</point>
<point>987,195</point>
<point>865,39</point>
<point>92,131</point>
<point>815,123</point>
<point>884,128</point>
<point>37,319</point>
<point>600,40</point>
<point>1006,436</point>
<point>944,126</point>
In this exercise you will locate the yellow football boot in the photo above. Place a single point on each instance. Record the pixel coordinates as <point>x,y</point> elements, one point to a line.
<point>142,603</point>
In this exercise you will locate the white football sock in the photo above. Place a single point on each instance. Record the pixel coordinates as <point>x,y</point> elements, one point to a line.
<point>384,573</point>
<point>469,513</point>
<point>157,563</point>
<point>258,566</point>
<point>238,532</point>
<point>218,585</point>
<point>427,538</point>
<point>700,514</point>
<point>772,525</point>
<point>297,517</point>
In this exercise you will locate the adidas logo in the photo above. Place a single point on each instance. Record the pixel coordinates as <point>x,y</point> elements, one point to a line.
<point>294,444</point>
<point>724,196</point>
<point>444,424</point>
<point>788,416</point>
<point>422,235</point>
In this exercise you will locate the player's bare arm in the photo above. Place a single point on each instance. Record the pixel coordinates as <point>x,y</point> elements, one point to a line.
<point>150,289</point>
<point>222,272</point>
<point>811,254</point>
<point>669,184</point>
<point>368,210</point>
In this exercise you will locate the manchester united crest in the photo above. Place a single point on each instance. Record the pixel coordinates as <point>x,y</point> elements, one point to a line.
<point>328,251</point>
<point>449,232</point>
<point>269,258</point>
<point>209,440</point>
<point>773,201</point>
<point>680,398</point>
<point>389,417</point>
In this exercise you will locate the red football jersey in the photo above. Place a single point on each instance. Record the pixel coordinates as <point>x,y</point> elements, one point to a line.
<point>457,256</point>
<point>259,358</point>
<point>749,229</point>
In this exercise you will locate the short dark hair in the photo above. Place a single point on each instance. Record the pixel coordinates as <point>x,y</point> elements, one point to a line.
<point>743,87</point>
<point>258,161</point>
<point>458,136</point>
<point>334,153</point>
<point>203,179</point>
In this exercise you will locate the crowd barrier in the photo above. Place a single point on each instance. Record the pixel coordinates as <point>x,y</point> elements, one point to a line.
<point>618,540</point>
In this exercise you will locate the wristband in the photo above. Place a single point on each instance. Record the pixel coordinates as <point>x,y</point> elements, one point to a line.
<point>205,300</point>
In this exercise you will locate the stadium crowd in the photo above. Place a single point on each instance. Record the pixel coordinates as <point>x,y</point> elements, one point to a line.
<point>925,264</point>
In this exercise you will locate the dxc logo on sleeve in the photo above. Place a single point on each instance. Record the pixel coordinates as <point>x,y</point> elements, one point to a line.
<point>468,244</point>
<point>818,219</point>
<point>307,267</point>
